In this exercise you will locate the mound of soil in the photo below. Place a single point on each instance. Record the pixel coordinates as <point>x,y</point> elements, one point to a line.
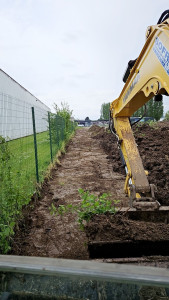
<point>154,150</point>
<point>119,228</point>
<point>97,131</point>
<point>153,147</point>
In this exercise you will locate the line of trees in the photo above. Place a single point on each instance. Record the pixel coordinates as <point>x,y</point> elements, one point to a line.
<point>104,112</point>
<point>154,109</point>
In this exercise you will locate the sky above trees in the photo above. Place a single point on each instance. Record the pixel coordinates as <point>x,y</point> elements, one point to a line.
<point>74,51</point>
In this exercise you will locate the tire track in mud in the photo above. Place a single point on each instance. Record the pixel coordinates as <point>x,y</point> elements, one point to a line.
<point>85,165</point>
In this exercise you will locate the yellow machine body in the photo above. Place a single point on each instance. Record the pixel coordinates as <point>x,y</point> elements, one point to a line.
<point>148,77</point>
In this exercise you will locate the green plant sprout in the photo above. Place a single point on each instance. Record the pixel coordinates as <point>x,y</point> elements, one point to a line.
<point>89,206</point>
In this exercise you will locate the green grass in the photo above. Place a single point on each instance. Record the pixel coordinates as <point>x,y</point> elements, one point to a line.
<point>22,160</point>
<point>18,180</point>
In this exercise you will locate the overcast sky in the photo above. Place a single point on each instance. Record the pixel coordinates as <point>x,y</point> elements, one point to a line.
<point>74,51</point>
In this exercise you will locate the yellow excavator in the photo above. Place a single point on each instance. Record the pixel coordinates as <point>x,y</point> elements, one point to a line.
<point>145,77</point>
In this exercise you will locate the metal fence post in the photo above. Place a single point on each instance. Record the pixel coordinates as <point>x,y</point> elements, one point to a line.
<point>60,130</point>
<point>35,144</point>
<point>50,137</point>
<point>63,129</point>
<point>57,131</point>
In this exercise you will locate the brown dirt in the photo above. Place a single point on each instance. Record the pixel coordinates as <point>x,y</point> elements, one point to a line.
<point>85,165</point>
<point>92,162</point>
<point>153,146</point>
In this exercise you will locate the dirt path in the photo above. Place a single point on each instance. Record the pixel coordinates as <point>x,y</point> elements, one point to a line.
<point>85,165</point>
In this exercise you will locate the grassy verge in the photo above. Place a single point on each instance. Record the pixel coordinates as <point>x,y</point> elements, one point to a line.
<point>22,160</point>
<point>18,178</point>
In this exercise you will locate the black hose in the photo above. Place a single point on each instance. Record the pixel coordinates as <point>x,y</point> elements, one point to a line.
<point>145,110</point>
<point>164,16</point>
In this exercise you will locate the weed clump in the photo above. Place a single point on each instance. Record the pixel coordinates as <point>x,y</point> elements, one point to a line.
<point>89,206</point>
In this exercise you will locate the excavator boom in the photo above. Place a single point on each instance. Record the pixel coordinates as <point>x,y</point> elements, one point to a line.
<point>146,77</point>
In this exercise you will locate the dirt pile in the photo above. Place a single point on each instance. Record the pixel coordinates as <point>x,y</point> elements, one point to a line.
<point>97,131</point>
<point>119,228</point>
<point>153,147</point>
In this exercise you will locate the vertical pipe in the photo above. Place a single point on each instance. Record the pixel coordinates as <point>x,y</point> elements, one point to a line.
<point>50,137</point>
<point>35,144</point>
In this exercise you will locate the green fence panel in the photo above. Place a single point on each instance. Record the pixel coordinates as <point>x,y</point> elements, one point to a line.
<point>29,141</point>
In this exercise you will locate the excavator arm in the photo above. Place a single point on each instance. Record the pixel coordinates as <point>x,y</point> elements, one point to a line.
<point>146,77</point>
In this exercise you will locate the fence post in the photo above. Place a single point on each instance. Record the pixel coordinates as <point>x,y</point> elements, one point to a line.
<point>63,129</point>
<point>35,144</point>
<point>50,137</point>
<point>57,131</point>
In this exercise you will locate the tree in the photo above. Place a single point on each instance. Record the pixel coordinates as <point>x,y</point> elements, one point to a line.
<point>62,118</point>
<point>87,119</point>
<point>139,112</point>
<point>154,109</point>
<point>158,110</point>
<point>104,112</point>
<point>64,112</point>
<point>167,116</point>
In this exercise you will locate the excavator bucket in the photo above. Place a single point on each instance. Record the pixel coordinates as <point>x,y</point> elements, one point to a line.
<point>161,215</point>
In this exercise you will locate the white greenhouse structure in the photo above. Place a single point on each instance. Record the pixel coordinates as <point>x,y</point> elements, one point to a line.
<point>16,110</point>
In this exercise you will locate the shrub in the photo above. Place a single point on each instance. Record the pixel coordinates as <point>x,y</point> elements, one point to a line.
<point>167,116</point>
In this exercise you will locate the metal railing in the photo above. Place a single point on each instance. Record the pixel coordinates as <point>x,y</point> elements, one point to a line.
<point>71,279</point>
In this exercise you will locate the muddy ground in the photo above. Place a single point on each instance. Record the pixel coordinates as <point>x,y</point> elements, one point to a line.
<point>92,162</point>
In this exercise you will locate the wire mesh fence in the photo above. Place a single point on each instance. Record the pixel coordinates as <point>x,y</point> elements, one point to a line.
<point>30,138</point>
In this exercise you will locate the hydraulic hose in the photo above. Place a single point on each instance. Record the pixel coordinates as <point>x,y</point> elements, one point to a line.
<point>164,16</point>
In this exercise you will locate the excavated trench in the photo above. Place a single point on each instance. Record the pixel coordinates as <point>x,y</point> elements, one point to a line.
<point>92,162</point>
<point>128,249</point>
